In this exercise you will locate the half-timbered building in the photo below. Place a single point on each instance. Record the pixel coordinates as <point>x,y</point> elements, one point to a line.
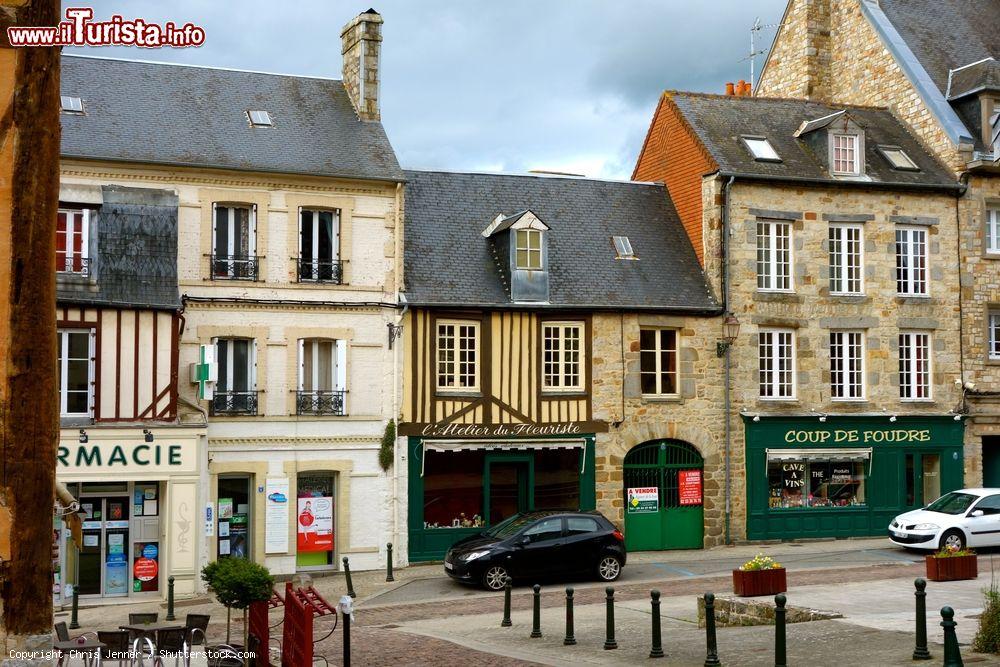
<point>524,303</point>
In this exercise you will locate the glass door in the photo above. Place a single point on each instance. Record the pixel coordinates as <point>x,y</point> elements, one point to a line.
<point>90,560</point>
<point>508,488</point>
<point>116,556</point>
<point>931,468</point>
<point>315,521</point>
<point>234,517</point>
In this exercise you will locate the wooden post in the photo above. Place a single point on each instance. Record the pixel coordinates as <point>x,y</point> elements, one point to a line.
<point>29,194</point>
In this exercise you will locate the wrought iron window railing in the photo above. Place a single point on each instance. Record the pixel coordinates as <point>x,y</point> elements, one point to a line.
<point>235,267</point>
<point>320,271</point>
<point>73,264</point>
<point>319,403</point>
<point>235,403</point>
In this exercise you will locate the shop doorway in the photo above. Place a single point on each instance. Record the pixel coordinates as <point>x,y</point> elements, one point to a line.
<point>508,487</point>
<point>315,521</point>
<point>923,479</point>
<point>663,496</point>
<point>234,516</point>
<point>104,554</point>
<point>991,461</point>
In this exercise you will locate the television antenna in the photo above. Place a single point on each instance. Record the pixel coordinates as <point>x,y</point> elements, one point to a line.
<point>754,51</point>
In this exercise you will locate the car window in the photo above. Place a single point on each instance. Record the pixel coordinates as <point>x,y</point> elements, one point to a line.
<point>989,505</point>
<point>578,525</point>
<point>544,530</point>
<point>952,503</point>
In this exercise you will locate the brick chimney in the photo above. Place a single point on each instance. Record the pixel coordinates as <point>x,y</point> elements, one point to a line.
<point>361,44</point>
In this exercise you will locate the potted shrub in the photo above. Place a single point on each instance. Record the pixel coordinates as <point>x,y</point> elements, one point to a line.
<point>237,583</point>
<point>761,575</point>
<point>952,564</point>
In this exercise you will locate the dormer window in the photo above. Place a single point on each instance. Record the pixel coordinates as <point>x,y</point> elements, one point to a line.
<point>846,154</point>
<point>528,250</point>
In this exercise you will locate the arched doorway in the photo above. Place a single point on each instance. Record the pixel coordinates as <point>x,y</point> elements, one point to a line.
<point>663,496</point>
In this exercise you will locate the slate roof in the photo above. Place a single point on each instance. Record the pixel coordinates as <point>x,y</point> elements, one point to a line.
<point>984,75</point>
<point>196,116</point>
<point>136,259</point>
<point>448,262</point>
<point>720,120</point>
<point>946,34</point>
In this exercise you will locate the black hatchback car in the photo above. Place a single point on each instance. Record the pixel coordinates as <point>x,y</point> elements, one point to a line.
<point>539,544</point>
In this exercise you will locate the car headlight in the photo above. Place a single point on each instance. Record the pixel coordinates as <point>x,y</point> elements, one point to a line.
<point>926,526</point>
<point>473,555</point>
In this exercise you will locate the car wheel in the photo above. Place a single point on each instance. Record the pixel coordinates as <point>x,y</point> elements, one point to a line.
<point>609,569</point>
<point>495,577</point>
<point>952,539</point>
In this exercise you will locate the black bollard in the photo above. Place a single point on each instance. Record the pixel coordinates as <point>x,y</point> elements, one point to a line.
<point>170,599</point>
<point>74,622</point>
<point>712,653</point>
<point>347,573</point>
<point>388,562</point>
<point>505,623</point>
<point>952,656</point>
<point>570,640</point>
<point>536,612</point>
<point>921,652</point>
<point>657,650</point>
<point>779,631</point>
<point>609,640</point>
<point>347,614</point>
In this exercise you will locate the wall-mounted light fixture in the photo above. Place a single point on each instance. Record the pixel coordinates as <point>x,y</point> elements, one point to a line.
<point>147,435</point>
<point>730,332</point>
<point>892,418</point>
<point>83,436</point>
<point>395,331</point>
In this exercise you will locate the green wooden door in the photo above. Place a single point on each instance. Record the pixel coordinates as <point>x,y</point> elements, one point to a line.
<point>663,499</point>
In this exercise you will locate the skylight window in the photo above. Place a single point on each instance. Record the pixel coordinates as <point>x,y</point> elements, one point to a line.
<point>898,158</point>
<point>259,118</point>
<point>623,247</point>
<point>71,104</point>
<point>761,149</point>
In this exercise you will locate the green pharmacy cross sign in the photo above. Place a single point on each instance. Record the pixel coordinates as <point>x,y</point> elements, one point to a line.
<point>205,373</point>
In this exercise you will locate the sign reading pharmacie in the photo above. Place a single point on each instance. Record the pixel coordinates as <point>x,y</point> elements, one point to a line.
<point>176,455</point>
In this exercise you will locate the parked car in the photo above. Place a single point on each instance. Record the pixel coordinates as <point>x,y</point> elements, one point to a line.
<point>539,544</point>
<point>967,517</point>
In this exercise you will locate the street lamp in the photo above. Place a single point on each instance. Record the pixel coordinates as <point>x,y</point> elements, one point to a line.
<point>730,332</point>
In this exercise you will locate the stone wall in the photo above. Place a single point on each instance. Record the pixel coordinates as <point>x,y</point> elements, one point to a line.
<point>735,612</point>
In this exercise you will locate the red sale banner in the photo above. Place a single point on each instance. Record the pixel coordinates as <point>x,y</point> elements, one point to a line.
<point>315,524</point>
<point>689,482</point>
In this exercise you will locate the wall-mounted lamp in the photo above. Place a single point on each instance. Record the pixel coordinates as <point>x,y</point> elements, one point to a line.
<point>892,418</point>
<point>147,435</point>
<point>83,436</point>
<point>730,332</point>
<point>958,418</point>
<point>822,418</point>
<point>756,418</point>
<point>395,331</point>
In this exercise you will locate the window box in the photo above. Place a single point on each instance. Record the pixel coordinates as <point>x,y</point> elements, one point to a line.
<point>952,568</point>
<point>752,583</point>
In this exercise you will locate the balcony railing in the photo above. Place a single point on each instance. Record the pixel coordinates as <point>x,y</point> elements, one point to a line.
<point>235,267</point>
<point>73,264</point>
<point>320,271</point>
<point>243,403</point>
<point>319,403</point>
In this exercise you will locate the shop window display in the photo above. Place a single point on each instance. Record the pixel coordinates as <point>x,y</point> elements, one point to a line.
<point>557,479</point>
<point>453,489</point>
<point>816,483</point>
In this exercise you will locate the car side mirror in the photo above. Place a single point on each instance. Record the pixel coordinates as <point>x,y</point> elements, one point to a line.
<point>524,541</point>
<point>976,513</point>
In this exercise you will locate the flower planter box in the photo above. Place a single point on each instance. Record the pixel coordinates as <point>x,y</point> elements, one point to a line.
<point>751,583</point>
<point>952,568</point>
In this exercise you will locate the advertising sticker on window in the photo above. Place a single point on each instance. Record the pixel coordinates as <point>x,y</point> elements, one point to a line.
<point>689,483</point>
<point>643,499</point>
<point>315,524</point>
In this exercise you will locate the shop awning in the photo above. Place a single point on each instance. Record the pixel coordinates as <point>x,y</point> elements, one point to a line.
<point>844,454</point>
<point>488,445</point>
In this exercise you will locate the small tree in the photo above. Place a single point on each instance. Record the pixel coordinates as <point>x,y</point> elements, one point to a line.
<point>987,638</point>
<point>237,583</point>
<point>385,452</point>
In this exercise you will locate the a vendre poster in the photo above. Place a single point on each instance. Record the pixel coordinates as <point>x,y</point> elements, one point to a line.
<point>315,524</point>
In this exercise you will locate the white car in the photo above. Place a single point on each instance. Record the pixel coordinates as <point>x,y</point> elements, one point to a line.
<point>967,517</point>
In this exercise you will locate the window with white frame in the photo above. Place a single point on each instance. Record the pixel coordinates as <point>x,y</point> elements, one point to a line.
<point>911,261</point>
<point>561,356</point>
<point>76,372</point>
<point>993,230</point>
<point>847,365</point>
<point>914,366</point>
<point>234,242</point>
<point>776,356</point>
<point>72,241</point>
<point>319,245</point>
<point>236,389</point>
<point>994,335</point>
<point>658,361</point>
<point>458,356</point>
<point>846,259</point>
<point>528,247</point>
<point>846,154</point>
<point>774,255</point>
<point>322,376</point>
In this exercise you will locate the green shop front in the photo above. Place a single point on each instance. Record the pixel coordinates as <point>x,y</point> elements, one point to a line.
<point>845,475</point>
<point>459,487</point>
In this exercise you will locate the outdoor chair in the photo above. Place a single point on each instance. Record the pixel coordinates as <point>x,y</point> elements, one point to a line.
<point>197,622</point>
<point>172,643</point>
<point>62,635</point>
<point>134,619</point>
<point>115,645</point>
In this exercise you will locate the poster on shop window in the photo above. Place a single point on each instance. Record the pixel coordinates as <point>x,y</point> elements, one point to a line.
<point>315,524</point>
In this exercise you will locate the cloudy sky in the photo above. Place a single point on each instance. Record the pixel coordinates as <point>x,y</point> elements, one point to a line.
<point>488,85</point>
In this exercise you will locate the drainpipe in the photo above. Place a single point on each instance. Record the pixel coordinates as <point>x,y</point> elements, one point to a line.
<point>728,393</point>
<point>398,275</point>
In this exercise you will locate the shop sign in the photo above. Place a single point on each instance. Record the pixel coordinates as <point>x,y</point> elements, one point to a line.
<point>453,429</point>
<point>140,456</point>
<point>276,516</point>
<point>856,435</point>
<point>145,569</point>
<point>643,500</point>
<point>689,483</point>
<point>315,524</point>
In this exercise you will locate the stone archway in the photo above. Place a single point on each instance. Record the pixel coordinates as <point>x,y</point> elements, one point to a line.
<point>663,496</point>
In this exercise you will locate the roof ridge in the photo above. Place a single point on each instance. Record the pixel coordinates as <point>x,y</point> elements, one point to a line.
<point>549,177</point>
<point>143,61</point>
<point>832,105</point>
